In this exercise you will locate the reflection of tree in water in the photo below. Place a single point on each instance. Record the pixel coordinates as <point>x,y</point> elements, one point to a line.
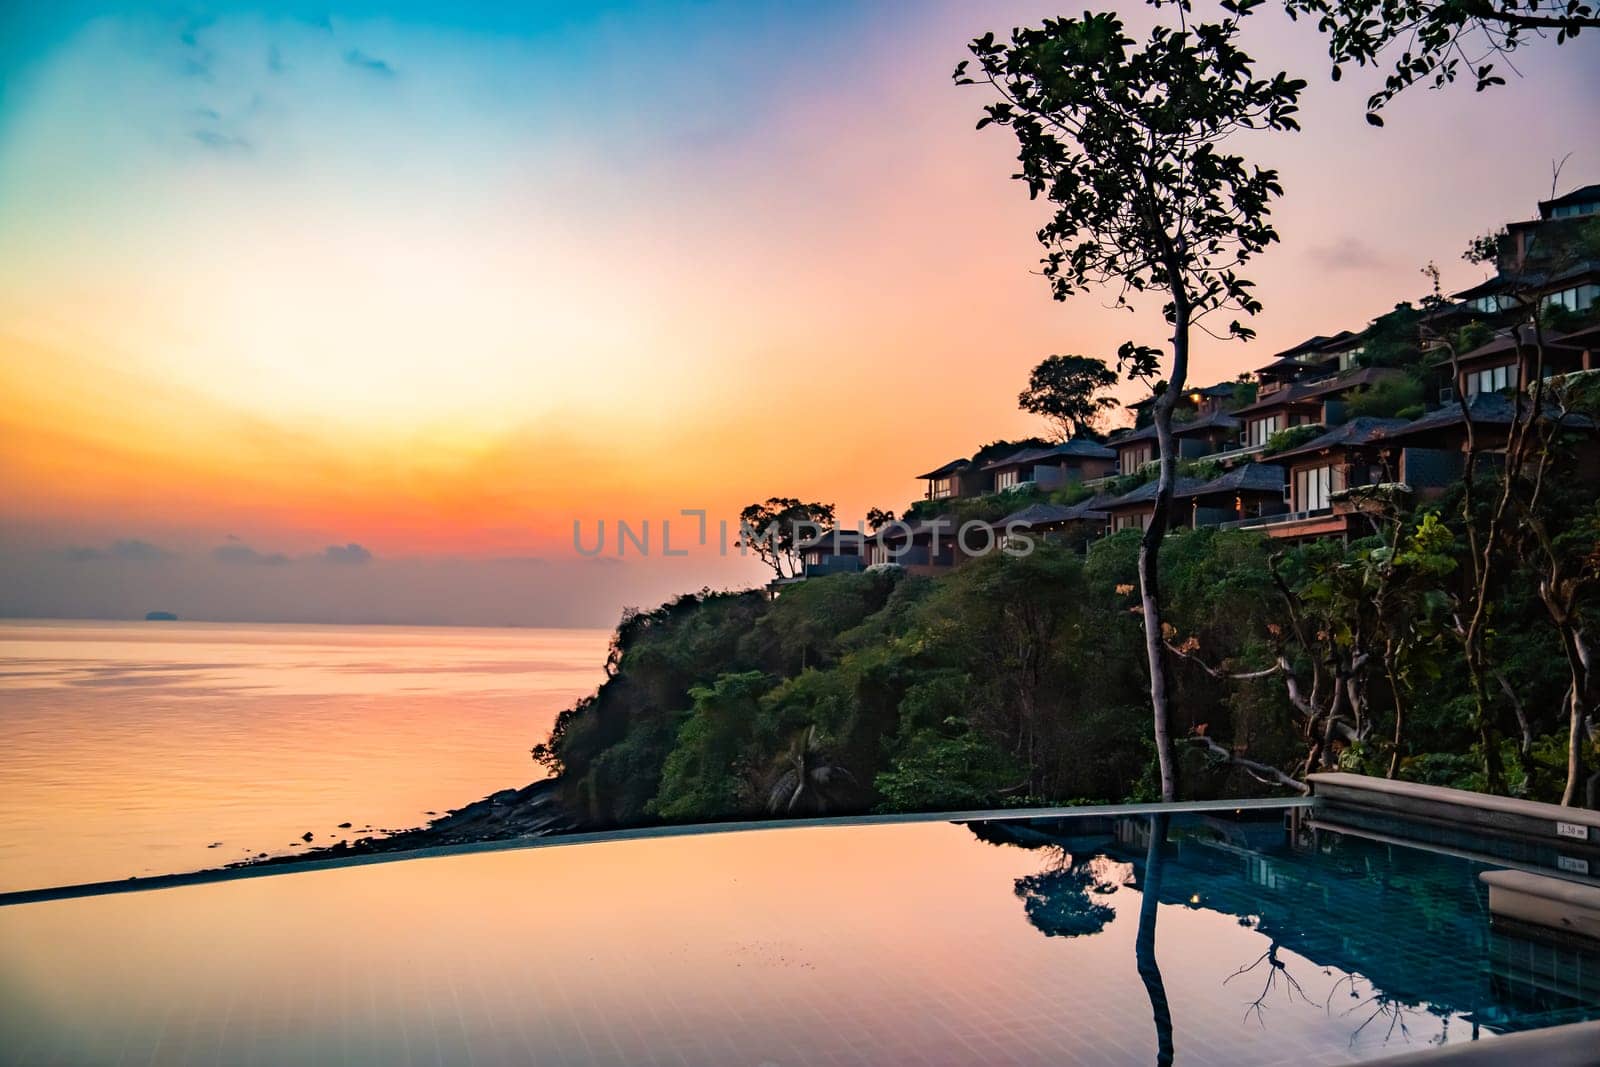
<point>1061,901</point>
<point>1382,1011</point>
<point>1144,945</point>
<point>1277,977</point>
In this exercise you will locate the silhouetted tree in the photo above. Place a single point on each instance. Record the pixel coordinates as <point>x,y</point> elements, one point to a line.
<point>1125,141</point>
<point>774,529</point>
<point>1070,392</point>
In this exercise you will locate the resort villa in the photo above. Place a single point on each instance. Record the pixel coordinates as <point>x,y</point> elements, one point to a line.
<point>1292,450</point>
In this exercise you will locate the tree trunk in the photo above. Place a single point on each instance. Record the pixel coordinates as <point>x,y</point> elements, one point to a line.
<point>1150,554</point>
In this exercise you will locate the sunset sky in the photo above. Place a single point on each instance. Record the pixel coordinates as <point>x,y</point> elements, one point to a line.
<point>346,313</point>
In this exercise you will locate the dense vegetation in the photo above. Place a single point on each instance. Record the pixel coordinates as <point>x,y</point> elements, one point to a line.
<point>1020,680</point>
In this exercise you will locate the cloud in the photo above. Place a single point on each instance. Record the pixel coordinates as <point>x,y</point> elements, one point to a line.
<point>244,554</point>
<point>222,142</point>
<point>131,549</point>
<point>372,64</point>
<point>351,553</point>
<point>1347,253</point>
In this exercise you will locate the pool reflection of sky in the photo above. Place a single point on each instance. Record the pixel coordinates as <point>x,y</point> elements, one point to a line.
<point>1074,942</point>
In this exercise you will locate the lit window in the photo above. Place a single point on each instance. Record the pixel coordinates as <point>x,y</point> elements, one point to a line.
<point>1492,380</point>
<point>1313,488</point>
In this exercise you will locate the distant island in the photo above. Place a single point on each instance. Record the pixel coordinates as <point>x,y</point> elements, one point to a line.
<point>160,616</point>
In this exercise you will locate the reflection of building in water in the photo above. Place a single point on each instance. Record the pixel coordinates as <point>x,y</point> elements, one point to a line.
<point>1413,924</point>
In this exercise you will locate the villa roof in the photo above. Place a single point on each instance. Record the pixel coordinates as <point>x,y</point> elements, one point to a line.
<point>1223,419</point>
<point>1076,447</point>
<point>845,538</point>
<point>1245,478</point>
<point>1588,337</point>
<point>1358,431</point>
<point>1146,493</point>
<point>1530,280</point>
<point>1505,341</point>
<point>1210,391</point>
<point>1289,363</point>
<point>1143,433</point>
<point>1045,514</point>
<point>1320,343</point>
<point>949,468</point>
<point>1577,196</point>
<point>1316,390</point>
<point>1488,409</point>
<point>896,531</point>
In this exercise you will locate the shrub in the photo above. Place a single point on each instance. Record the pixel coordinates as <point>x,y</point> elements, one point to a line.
<point>1293,437</point>
<point>1385,399</point>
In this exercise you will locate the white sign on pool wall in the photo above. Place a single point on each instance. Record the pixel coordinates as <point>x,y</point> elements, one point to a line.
<point>1577,831</point>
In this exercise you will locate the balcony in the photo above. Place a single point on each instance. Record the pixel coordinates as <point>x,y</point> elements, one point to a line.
<point>1231,455</point>
<point>1297,525</point>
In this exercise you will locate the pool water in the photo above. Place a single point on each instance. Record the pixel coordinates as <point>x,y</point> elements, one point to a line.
<point>1234,940</point>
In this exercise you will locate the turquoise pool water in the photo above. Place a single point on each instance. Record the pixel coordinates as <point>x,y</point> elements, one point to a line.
<point>1233,940</point>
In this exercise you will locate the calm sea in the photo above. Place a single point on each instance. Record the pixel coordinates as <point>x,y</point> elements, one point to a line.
<point>146,748</point>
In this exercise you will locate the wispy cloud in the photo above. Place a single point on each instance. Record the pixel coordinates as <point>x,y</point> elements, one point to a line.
<point>219,141</point>
<point>351,553</point>
<point>247,556</point>
<point>131,549</point>
<point>355,57</point>
<point>1347,253</point>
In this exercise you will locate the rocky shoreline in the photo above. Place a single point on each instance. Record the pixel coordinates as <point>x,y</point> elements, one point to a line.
<point>532,811</point>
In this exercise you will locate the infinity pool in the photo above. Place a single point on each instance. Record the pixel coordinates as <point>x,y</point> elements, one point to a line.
<point>1235,940</point>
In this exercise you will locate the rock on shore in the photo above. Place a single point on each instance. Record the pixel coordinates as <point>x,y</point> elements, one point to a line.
<point>532,811</point>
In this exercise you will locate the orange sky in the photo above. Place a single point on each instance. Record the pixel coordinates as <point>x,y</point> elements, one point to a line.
<point>442,288</point>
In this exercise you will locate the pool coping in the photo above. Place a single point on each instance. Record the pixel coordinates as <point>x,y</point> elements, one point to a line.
<point>1569,1045</point>
<point>228,874</point>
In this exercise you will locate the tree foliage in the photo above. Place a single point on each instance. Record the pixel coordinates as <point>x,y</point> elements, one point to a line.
<point>773,530</point>
<point>1436,41</point>
<point>1070,392</point>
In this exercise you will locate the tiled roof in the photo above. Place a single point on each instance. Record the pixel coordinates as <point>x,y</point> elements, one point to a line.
<point>1290,363</point>
<point>1044,514</point>
<point>1530,280</point>
<point>847,538</point>
<point>1358,431</point>
<point>1577,196</point>
<point>1506,341</point>
<point>1210,391</point>
<point>1078,447</point>
<point>1222,419</point>
<point>1493,409</point>
<point>1143,433</point>
<point>949,468</point>
<point>1317,389</point>
<point>1145,493</point>
<point>1217,419</point>
<point>1245,478</point>
<point>946,523</point>
<point>1320,343</point>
